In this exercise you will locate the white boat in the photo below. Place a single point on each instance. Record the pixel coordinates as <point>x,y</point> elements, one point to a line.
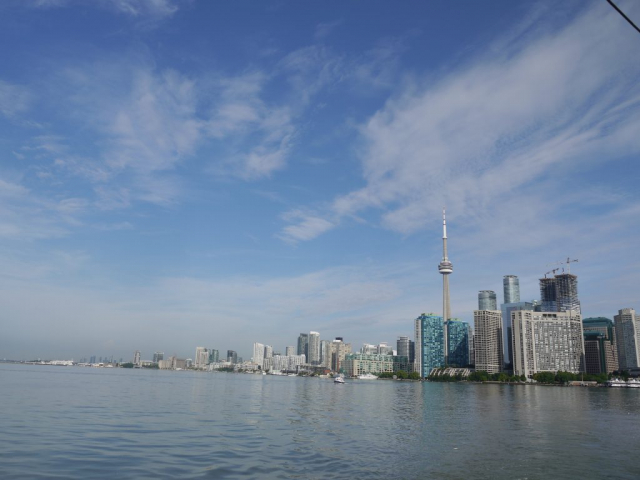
<point>367,376</point>
<point>339,379</point>
<point>616,382</point>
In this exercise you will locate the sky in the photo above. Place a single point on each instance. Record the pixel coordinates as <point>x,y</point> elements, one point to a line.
<point>183,173</point>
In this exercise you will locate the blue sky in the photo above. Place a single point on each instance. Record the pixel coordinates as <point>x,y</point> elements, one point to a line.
<point>184,173</point>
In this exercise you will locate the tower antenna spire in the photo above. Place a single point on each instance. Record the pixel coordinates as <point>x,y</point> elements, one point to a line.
<point>445,268</point>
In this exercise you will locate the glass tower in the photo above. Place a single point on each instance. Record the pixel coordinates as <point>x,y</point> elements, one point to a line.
<point>458,343</point>
<point>487,300</point>
<point>429,346</point>
<point>511,286</point>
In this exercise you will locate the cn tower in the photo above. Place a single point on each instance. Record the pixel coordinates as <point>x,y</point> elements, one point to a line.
<point>446,268</point>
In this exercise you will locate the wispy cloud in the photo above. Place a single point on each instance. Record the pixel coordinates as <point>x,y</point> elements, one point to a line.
<point>478,135</point>
<point>133,8</point>
<point>14,99</point>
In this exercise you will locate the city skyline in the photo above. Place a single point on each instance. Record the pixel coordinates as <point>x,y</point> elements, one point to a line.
<point>168,182</point>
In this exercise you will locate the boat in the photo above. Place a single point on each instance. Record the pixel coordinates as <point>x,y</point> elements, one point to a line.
<point>616,382</point>
<point>367,376</point>
<point>339,379</point>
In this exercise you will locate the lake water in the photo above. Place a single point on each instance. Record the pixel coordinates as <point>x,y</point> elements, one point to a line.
<point>71,422</point>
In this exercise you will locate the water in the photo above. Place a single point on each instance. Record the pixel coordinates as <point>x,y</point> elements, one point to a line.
<point>68,422</point>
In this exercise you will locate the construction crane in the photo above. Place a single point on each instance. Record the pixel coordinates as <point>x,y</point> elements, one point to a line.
<point>551,271</point>
<point>568,261</point>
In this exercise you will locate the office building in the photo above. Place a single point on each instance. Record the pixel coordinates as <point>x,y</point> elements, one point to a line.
<point>268,351</point>
<point>201,357</point>
<point>314,348</point>
<point>288,351</point>
<point>359,364</point>
<point>506,309</point>
<point>158,356</point>
<point>488,340</point>
<point>560,293</point>
<point>600,349</point>
<point>547,342</point>
<point>445,267</point>
<point>511,289</point>
<point>258,354</point>
<point>325,353</point>
<point>429,343</point>
<point>232,356</point>
<point>627,327</point>
<point>214,356</point>
<point>339,349</point>
<point>487,300</point>
<point>406,348</point>
<point>136,358</point>
<point>458,343</point>
<point>303,344</point>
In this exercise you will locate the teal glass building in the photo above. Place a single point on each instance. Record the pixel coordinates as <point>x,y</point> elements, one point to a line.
<point>458,343</point>
<point>429,349</point>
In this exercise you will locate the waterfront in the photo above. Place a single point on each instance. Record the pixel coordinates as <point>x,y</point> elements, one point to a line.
<point>114,423</point>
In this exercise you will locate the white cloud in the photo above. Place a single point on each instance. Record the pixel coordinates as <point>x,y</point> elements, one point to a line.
<point>134,8</point>
<point>306,227</point>
<point>14,99</point>
<point>474,138</point>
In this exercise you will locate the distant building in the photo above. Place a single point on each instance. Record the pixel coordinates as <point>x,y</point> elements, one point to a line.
<point>506,309</point>
<point>627,327</point>
<point>158,356</point>
<point>429,344</point>
<point>511,289</point>
<point>358,364</point>
<point>201,357</point>
<point>406,348</point>
<point>288,351</point>
<point>339,349</point>
<point>314,348</point>
<point>258,354</point>
<point>136,358</point>
<point>487,300</point>
<point>303,344</point>
<point>458,343</point>
<point>560,293</point>
<point>547,342</point>
<point>232,356</point>
<point>600,350</point>
<point>214,356</point>
<point>488,340</point>
<point>325,353</point>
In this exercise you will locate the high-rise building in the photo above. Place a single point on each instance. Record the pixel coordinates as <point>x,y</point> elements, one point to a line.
<point>600,349</point>
<point>506,309</point>
<point>258,354</point>
<point>628,338</point>
<point>303,344</point>
<point>268,351</point>
<point>547,342</point>
<point>429,343</point>
<point>136,358</point>
<point>560,293</point>
<point>445,267</point>
<point>214,355</point>
<point>338,351</point>
<point>158,356</point>
<point>288,351</point>
<point>201,358</point>
<point>458,343</point>
<point>406,348</point>
<point>511,287</point>
<point>325,353</point>
<point>314,348</point>
<point>93,359</point>
<point>232,356</point>
<point>487,300</point>
<point>488,340</point>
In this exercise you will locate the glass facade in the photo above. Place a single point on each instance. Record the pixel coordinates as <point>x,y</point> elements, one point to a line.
<point>487,300</point>
<point>458,343</point>
<point>511,287</point>
<point>430,330</point>
<point>507,308</point>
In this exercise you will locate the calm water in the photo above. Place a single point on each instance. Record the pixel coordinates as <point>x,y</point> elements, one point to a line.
<point>67,422</point>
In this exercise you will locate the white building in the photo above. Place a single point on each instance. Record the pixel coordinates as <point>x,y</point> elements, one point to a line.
<point>258,354</point>
<point>547,342</point>
<point>290,351</point>
<point>314,348</point>
<point>201,358</point>
<point>137,359</point>
<point>488,340</point>
<point>627,325</point>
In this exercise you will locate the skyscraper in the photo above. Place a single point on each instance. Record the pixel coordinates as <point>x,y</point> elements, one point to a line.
<point>406,348</point>
<point>303,345</point>
<point>458,343</point>
<point>136,358</point>
<point>201,358</point>
<point>158,356</point>
<point>506,309</point>
<point>258,354</point>
<point>511,287</point>
<point>600,350</point>
<point>214,355</point>
<point>288,351</point>
<point>314,348</point>
<point>325,353</point>
<point>488,340</point>
<point>430,343</point>
<point>232,356</point>
<point>628,338</point>
<point>560,293</point>
<point>487,300</point>
<point>445,267</point>
<point>547,342</point>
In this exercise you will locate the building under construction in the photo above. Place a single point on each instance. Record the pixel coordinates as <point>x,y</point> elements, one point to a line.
<point>560,293</point>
